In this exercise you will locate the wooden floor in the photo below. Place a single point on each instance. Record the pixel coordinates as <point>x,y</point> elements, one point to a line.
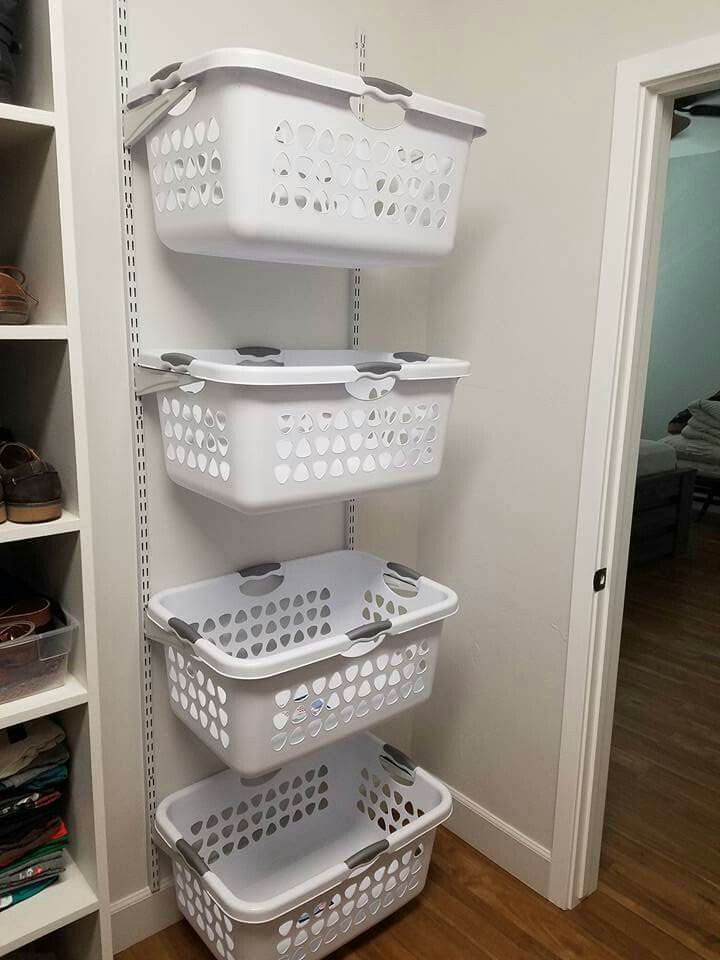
<point>659,894</point>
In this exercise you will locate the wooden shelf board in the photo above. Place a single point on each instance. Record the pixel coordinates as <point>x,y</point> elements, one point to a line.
<point>12,532</point>
<point>69,899</point>
<point>31,115</point>
<point>71,694</point>
<point>34,331</point>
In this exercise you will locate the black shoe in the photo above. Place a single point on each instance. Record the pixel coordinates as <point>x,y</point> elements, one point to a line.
<point>9,47</point>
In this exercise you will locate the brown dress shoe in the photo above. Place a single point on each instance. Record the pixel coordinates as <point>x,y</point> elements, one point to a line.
<point>32,487</point>
<point>3,508</point>
<point>15,301</point>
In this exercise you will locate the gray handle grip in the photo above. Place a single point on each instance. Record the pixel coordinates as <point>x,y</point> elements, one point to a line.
<point>192,858</point>
<point>369,630</point>
<point>177,359</point>
<point>184,630</point>
<point>259,569</point>
<point>164,72</point>
<point>403,571</point>
<point>411,356</point>
<point>367,854</point>
<point>388,86</point>
<point>378,367</point>
<point>258,351</point>
<point>397,755</point>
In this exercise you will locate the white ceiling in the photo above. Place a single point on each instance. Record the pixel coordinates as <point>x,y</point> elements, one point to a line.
<point>702,136</point>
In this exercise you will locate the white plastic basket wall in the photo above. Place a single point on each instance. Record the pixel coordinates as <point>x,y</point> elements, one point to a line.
<point>266,160</point>
<point>269,447</point>
<point>304,862</point>
<point>275,661</point>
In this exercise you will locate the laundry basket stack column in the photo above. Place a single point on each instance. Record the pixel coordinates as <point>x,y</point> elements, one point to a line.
<point>318,830</point>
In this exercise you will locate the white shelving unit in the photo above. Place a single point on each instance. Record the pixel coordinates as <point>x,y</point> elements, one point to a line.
<point>43,402</point>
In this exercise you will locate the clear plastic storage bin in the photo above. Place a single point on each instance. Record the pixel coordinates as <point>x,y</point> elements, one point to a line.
<point>260,157</point>
<point>37,662</point>
<point>260,429</point>
<point>298,864</point>
<point>274,661</point>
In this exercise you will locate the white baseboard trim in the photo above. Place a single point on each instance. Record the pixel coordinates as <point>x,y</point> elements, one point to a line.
<point>143,913</point>
<point>500,842</point>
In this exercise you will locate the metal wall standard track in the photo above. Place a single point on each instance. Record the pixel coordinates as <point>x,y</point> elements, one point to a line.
<point>351,505</point>
<point>133,329</point>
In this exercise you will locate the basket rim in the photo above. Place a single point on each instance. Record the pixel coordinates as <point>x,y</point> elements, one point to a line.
<point>274,366</point>
<point>257,912</point>
<point>250,60</point>
<point>191,642</point>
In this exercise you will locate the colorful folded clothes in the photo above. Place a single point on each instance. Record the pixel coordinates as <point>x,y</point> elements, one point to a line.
<point>19,802</point>
<point>21,744</point>
<point>24,893</point>
<point>45,859</point>
<point>33,771</point>
<point>48,767</point>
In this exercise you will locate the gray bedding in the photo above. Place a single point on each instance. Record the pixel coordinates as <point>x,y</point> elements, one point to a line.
<point>655,457</point>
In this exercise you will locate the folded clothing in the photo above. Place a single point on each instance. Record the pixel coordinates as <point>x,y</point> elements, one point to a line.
<point>40,855</point>
<point>20,745</point>
<point>48,767</point>
<point>39,871</point>
<point>23,801</point>
<point>22,837</point>
<point>24,893</point>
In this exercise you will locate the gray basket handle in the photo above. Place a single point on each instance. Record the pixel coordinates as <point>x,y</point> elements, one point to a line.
<point>369,853</point>
<point>387,90</point>
<point>411,356</point>
<point>177,359</point>
<point>164,72</point>
<point>369,630</point>
<point>258,351</point>
<point>260,569</point>
<point>192,858</point>
<point>378,368</point>
<point>184,630</point>
<point>398,765</point>
<point>403,571</point>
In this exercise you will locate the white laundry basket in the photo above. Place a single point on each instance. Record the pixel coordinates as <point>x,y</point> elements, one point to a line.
<point>277,660</point>
<point>315,854</point>
<point>260,157</point>
<point>262,429</point>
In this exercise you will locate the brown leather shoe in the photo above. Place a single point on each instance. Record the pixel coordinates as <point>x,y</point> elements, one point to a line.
<point>3,508</point>
<point>32,487</point>
<point>15,301</point>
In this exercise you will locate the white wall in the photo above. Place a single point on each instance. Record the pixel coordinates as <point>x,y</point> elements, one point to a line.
<point>685,350</point>
<point>518,299</point>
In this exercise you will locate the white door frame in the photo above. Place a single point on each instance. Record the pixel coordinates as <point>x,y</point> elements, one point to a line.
<point>645,89</point>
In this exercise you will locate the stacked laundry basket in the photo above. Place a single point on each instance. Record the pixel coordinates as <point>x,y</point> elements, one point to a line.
<point>319,830</point>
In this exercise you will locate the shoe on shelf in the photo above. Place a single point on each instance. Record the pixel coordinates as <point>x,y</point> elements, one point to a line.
<point>9,47</point>
<point>15,301</point>
<point>3,508</point>
<point>33,493</point>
